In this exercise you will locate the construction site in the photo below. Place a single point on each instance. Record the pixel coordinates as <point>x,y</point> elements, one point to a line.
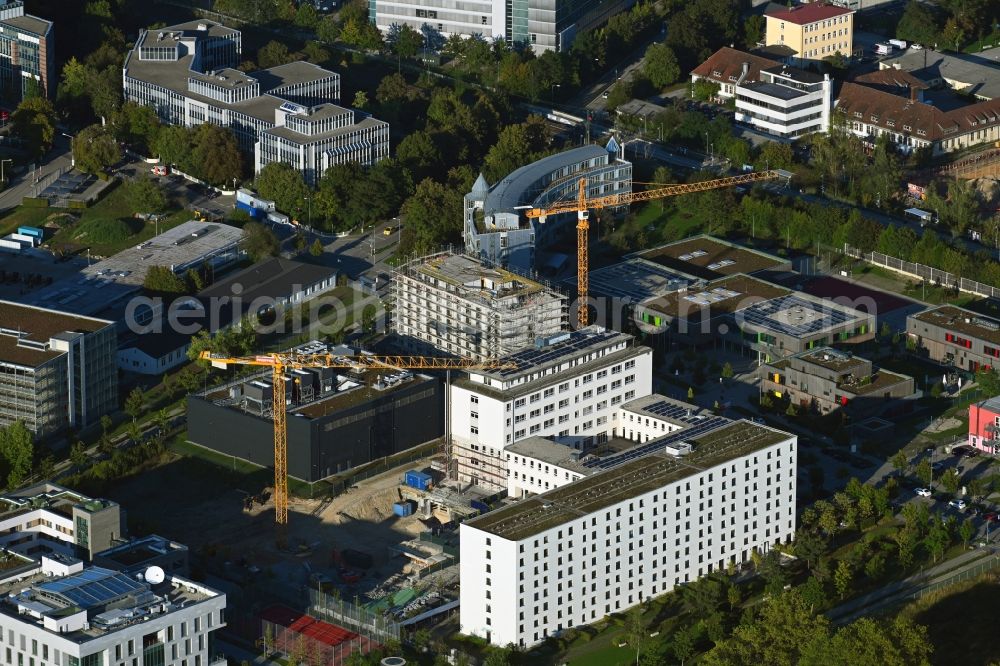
<point>457,305</point>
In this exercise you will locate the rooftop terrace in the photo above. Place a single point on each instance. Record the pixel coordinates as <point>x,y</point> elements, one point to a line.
<point>642,475</point>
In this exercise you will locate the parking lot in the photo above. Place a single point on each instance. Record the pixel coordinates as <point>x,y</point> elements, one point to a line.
<point>27,272</point>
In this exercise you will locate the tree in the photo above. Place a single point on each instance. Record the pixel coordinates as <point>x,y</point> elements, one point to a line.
<point>682,644</point>
<point>779,632</point>
<point>306,16</point>
<point>809,547</point>
<point>272,54</point>
<point>217,155</point>
<point>966,531</point>
<point>988,380</point>
<point>162,280</point>
<point>17,446</point>
<point>727,370</point>
<point>704,90</point>
<point>950,481</point>
<point>868,642</point>
<point>173,145</point>
<point>94,150</point>
<point>771,571</point>
<point>925,472</point>
<point>660,65</point>
<point>516,146</point>
<point>135,403</point>
<point>843,576</point>
<point>918,24</point>
<point>145,195</point>
<point>937,538</point>
<point>690,393</point>
<point>78,455</point>
<point>812,593</point>
<point>404,41</point>
<point>283,184</point>
<point>259,241</point>
<point>635,629</point>
<point>433,216</point>
<point>899,461</point>
<point>753,31</point>
<point>418,153</point>
<point>34,122</point>
<point>316,249</point>
<point>734,595</point>
<point>702,597</point>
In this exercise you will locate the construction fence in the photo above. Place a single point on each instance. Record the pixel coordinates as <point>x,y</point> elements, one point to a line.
<point>932,275</point>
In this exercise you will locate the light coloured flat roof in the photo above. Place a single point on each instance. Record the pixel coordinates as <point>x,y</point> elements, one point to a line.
<point>185,244</point>
<point>539,513</point>
<point>550,452</point>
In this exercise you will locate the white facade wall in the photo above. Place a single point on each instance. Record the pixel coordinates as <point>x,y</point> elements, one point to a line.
<point>605,562</point>
<point>529,476</point>
<point>785,117</point>
<point>19,532</point>
<point>184,633</point>
<point>641,427</point>
<point>571,406</point>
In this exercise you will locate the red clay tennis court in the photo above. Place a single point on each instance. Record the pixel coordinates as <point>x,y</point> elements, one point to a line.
<point>300,634</point>
<point>831,287</point>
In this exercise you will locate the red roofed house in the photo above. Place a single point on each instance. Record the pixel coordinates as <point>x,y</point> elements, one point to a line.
<point>870,111</point>
<point>814,31</point>
<point>728,68</point>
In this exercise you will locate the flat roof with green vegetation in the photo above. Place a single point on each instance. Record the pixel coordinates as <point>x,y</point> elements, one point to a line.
<point>707,257</point>
<point>636,477</point>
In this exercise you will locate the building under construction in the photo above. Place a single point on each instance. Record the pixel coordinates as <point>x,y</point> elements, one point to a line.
<point>337,419</point>
<point>455,304</point>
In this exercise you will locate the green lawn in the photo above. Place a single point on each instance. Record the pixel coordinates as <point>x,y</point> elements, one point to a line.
<point>33,217</point>
<point>961,623</point>
<point>109,227</point>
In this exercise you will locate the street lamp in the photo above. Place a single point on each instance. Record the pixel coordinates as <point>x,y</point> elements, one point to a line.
<point>72,154</point>
<point>3,179</point>
<point>552,91</point>
<point>309,205</point>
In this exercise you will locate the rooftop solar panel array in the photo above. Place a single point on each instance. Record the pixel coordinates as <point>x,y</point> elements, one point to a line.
<point>92,587</point>
<point>532,358</point>
<point>815,316</point>
<point>698,426</point>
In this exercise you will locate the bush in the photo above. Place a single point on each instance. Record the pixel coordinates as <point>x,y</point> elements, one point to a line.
<point>35,202</point>
<point>104,231</point>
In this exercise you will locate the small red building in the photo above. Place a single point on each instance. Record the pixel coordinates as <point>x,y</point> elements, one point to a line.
<point>984,425</point>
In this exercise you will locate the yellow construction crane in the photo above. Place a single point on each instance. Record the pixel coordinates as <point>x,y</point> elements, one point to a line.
<point>282,362</point>
<point>582,205</point>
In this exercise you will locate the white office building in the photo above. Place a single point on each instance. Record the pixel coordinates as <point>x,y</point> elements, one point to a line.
<point>786,102</point>
<point>544,25</point>
<point>496,229</point>
<point>284,114</point>
<point>567,387</point>
<point>455,304</point>
<point>67,614</point>
<point>634,528</point>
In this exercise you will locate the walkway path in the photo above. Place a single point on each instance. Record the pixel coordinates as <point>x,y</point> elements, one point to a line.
<point>898,591</point>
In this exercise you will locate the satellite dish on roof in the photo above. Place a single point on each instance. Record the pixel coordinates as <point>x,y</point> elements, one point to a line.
<point>154,575</point>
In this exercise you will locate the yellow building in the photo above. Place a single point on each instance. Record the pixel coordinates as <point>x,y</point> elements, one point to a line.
<point>814,31</point>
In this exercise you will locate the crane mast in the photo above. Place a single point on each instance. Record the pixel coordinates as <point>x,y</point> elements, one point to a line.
<point>582,206</point>
<point>280,363</point>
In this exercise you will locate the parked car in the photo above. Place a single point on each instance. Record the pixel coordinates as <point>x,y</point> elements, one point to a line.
<point>924,492</point>
<point>957,504</point>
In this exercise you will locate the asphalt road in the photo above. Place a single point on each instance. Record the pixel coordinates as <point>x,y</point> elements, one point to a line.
<point>23,185</point>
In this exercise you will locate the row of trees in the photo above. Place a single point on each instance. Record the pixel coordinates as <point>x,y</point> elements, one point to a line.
<point>948,24</point>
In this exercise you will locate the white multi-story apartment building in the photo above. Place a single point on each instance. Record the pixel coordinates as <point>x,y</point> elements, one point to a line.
<point>496,229</point>
<point>67,614</point>
<point>568,387</point>
<point>454,304</point>
<point>283,114</point>
<point>786,102</point>
<point>544,25</point>
<point>609,540</point>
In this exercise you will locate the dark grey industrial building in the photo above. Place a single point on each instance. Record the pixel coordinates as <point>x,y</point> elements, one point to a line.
<point>335,421</point>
